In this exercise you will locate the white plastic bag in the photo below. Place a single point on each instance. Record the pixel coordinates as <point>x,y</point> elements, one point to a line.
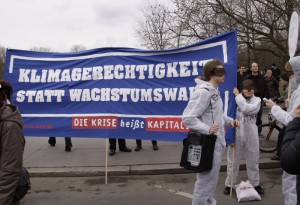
<point>246,192</point>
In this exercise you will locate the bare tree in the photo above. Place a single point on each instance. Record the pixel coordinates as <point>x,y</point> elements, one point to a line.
<point>77,47</point>
<point>41,49</point>
<point>262,25</point>
<point>156,29</point>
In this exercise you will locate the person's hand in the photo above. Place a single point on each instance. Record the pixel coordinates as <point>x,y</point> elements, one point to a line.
<point>235,123</point>
<point>236,91</point>
<point>297,111</point>
<point>213,129</point>
<point>287,103</point>
<point>269,103</point>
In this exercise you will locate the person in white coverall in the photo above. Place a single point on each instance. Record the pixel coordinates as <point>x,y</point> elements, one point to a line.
<point>289,181</point>
<point>204,107</point>
<point>247,141</point>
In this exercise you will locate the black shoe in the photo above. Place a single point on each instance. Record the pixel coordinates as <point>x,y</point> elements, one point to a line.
<point>52,141</point>
<point>112,152</point>
<point>68,148</point>
<point>226,190</point>
<point>138,148</point>
<point>155,147</point>
<point>259,189</point>
<point>125,149</point>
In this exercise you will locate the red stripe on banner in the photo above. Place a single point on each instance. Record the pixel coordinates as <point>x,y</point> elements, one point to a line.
<point>101,122</point>
<point>165,124</point>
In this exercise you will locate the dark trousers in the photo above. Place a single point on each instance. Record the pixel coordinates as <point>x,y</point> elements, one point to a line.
<point>259,116</point>
<point>68,140</point>
<point>113,143</point>
<point>279,141</point>
<point>139,142</point>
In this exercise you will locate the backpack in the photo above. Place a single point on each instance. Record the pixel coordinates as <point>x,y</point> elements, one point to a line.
<point>23,185</point>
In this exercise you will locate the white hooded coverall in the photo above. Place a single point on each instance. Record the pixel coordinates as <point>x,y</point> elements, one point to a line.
<point>198,116</point>
<point>288,180</point>
<point>246,141</point>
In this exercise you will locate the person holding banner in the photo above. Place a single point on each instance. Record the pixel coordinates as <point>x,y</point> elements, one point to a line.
<point>68,143</point>
<point>139,145</point>
<point>288,180</point>
<point>12,144</point>
<point>246,138</point>
<point>199,117</point>
<point>113,146</point>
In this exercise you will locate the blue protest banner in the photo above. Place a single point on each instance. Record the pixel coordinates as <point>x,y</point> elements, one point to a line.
<point>115,92</point>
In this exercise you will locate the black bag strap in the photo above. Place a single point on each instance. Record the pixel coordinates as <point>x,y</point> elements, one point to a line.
<point>212,115</point>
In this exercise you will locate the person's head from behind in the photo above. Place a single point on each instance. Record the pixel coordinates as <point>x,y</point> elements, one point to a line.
<point>6,92</point>
<point>248,88</point>
<point>284,79</point>
<point>214,70</point>
<point>288,69</point>
<point>293,66</point>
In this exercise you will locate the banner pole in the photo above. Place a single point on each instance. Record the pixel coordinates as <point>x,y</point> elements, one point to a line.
<point>232,170</point>
<point>106,159</point>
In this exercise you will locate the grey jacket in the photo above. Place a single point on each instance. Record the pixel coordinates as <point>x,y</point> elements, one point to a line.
<point>286,116</point>
<point>12,145</point>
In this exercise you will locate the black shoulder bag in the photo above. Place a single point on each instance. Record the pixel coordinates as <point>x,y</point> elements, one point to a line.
<point>23,185</point>
<point>198,151</point>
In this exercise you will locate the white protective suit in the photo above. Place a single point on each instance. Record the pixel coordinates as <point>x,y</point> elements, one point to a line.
<point>289,181</point>
<point>247,141</point>
<point>198,116</point>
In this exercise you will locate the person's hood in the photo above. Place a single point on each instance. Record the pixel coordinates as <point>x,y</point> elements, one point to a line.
<point>204,84</point>
<point>295,63</point>
<point>11,113</point>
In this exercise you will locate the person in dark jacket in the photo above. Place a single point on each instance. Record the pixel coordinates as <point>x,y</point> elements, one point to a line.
<point>258,80</point>
<point>240,77</point>
<point>139,145</point>
<point>276,71</point>
<point>12,145</point>
<point>113,146</point>
<point>290,150</point>
<point>271,86</point>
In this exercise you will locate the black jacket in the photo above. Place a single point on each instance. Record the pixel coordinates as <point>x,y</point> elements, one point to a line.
<point>240,79</point>
<point>259,82</point>
<point>290,151</point>
<point>11,152</point>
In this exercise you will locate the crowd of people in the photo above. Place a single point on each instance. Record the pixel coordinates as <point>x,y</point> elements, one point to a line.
<point>254,90</point>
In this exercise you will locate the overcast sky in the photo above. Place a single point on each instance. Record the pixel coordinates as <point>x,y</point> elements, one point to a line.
<point>60,24</point>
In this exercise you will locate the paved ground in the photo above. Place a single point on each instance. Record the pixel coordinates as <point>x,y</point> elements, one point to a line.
<point>167,189</point>
<point>88,158</point>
